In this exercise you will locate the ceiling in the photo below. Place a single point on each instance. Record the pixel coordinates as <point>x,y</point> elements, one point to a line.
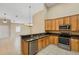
<point>48,5</point>
<point>19,12</point>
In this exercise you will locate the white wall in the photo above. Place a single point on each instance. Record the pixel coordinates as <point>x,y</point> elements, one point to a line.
<point>15,37</point>
<point>38,21</point>
<point>62,10</point>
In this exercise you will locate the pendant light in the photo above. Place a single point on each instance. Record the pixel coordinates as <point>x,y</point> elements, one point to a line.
<point>30,18</point>
<point>4,20</point>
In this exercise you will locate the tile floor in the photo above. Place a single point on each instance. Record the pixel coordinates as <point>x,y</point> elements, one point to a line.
<point>9,47</point>
<point>55,50</point>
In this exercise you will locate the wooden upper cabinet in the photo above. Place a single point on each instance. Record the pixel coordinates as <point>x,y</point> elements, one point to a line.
<point>60,21</point>
<point>47,24</point>
<point>57,24</point>
<point>74,22</point>
<point>66,20</point>
<point>53,24</point>
<point>78,23</point>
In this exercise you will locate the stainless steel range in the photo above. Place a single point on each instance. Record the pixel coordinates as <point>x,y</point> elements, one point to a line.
<point>64,41</point>
<point>64,37</point>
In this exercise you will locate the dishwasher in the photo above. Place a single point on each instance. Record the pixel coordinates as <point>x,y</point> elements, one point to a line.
<point>33,47</point>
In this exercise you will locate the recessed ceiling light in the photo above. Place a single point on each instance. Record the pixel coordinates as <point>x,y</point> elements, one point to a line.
<point>4,13</point>
<point>16,15</point>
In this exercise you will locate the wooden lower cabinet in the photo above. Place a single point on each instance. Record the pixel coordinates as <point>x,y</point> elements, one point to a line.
<point>56,40</point>
<point>43,42</point>
<point>47,40</point>
<point>53,39</point>
<point>24,46</point>
<point>74,44</point>
<point>39,44</point>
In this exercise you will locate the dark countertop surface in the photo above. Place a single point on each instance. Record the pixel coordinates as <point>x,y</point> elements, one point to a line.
<point>32,37</point>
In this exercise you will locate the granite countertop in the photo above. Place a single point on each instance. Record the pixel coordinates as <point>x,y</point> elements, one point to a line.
<point>33,37</point>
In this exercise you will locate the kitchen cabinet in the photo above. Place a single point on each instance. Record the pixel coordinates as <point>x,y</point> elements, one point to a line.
<point>74,44</point>
<point>74,23</point>
<point>57,24</point>
<point>53,24</point>
<point>24,46</point>
<point>78,23</point>
<point>66,20</point>
<point>60,21</point>
<point>56,40</point>
<point>47,24</point>
<point>39,44</point>
<point>47,40</point>
<point>53,39</point>
<point>43,42</point>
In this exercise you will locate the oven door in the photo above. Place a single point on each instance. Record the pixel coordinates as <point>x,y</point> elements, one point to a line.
<point>64,40</point>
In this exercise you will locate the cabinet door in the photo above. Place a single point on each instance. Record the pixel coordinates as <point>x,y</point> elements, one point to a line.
<point>43,42</point>
<point>39,44</point>
<point>53,24</point>
<point>78,23</point>
<point>60,21</point>
<point>66,20</point>
<point>74,22</point>
<point>56,40</point>
<point>47,24</point>
<point>57,24</point>
<point>51,39</point>
<point>75,44</point>
<point>47,41</point>
<point>24,47</point>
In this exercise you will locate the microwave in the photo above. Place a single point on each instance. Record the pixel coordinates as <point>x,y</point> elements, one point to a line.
<point>64,27</point>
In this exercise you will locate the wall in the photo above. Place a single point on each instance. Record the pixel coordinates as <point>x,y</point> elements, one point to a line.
<point>11,44</point>
<point>15,36</point>
<point>62,10</point>
<point>38,21</point>
<point>4,29</point>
